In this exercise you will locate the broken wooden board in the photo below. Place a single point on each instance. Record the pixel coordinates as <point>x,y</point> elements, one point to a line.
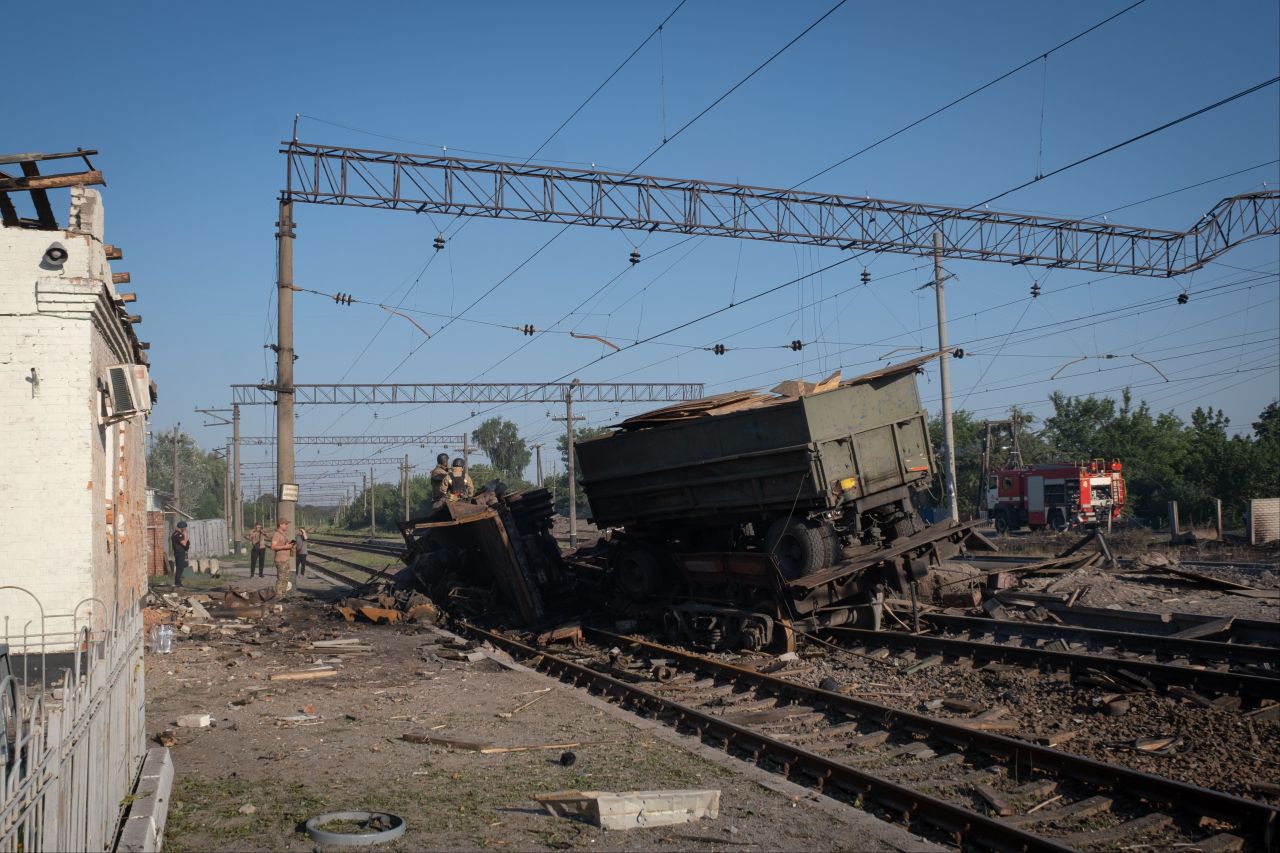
<point>304,674</point>
<point>483,748</point>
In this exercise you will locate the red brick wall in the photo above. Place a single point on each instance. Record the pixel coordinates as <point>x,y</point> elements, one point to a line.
<point>155,543</point>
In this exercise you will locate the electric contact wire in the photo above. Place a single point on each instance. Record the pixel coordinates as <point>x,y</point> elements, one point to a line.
<point>1141,306</point>
<point>633,169</point>
<point>856,154</point>
<point>1060,170</point>
<point>969,342</point>
<point>465,221</point>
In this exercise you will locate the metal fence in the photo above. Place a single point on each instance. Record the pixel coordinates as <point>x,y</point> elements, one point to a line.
<point>72,730</point>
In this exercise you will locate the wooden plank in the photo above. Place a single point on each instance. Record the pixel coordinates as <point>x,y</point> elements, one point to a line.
<point>930,661</point>
<point>8,213</point>
<point>1223,842</point>
<point>1084,808</point>
<point>994,799</point>
<point>44,210</point>
<point>304,675</point>
<point>1205,629</point>
<point>1128,831</point>
<point>50,182</point>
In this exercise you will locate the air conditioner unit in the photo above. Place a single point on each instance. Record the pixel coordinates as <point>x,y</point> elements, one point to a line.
<point>130,391</point>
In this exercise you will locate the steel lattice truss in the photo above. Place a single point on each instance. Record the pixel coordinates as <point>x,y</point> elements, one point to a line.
<point>329,463</point>
<point>322,174</point>
<point>340,440</point>
<point>474,392</point>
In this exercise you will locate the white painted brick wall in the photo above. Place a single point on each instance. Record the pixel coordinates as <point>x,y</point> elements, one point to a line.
<point>1264,520</point>
<point>58,466</point>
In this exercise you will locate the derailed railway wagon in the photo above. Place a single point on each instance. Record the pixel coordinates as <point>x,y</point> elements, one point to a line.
<point>752,515</point>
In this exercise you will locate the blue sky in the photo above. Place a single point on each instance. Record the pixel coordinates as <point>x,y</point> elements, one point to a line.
<point>188,103</point>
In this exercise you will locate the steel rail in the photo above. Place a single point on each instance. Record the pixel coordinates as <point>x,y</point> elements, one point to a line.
<point>1197,650</point>
<point>366,547</point>
<point>1236,684</point>
<point>1253,631</point>
<point>348,563</point>
<point>1256,816</point>
<point>1024,559</point>
<point>965,825</point>
<point>336,575</point>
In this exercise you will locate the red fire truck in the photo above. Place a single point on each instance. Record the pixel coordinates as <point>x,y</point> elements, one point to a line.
<point>1056,495</point>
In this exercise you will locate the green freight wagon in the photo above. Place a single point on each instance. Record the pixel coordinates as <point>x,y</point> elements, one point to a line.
<point>808,475</point>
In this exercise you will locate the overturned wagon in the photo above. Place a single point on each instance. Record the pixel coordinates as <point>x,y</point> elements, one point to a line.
<point>799,507</point>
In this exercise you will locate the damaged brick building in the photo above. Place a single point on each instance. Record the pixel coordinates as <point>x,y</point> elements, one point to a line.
<point>76,394</point>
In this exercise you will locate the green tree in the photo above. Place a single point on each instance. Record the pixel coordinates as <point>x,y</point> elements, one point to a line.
<point>1262,477</point>
<point>501,442</point>
<point>200,474</point>
<point>559,483</point>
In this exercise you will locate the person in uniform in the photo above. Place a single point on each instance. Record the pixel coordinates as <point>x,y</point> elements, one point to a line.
<point>282,548</point>
<point>440,478</point>
<point>460,485</point>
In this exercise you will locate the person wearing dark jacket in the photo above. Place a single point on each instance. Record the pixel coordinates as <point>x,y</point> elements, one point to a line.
<point>181,545</point>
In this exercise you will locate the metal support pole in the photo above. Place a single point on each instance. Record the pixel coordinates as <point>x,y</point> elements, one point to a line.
<point>373,512</point>
<point>284,361</point>
<point>466,454</point>
<point>537,449</point>
<point>573,480</point>
<point>237,494</point>
<point>227,512</point>
<point>944,369</point>
<point>1217,516</point>
<point>177,474</point>
<point>404,479</point>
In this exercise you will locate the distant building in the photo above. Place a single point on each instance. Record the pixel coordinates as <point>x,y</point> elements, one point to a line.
<point>74,399</point>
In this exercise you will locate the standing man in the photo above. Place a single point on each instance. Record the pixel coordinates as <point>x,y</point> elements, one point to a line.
<point>181,544</point>
<point>282,549</point>
<point>440,476</point>
<point>257,548</point>
<point>300,549</point>
<point>460,485</point>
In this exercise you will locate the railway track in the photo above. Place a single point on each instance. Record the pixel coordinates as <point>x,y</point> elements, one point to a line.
<point>978,788</point>
<point>391,548</point>
<point>1259,659</point>
<point>326,567</point>
<point>1133,672</point>
<point>1125,562</point>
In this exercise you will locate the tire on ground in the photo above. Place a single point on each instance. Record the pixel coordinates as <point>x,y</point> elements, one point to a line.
<point>800,548</point>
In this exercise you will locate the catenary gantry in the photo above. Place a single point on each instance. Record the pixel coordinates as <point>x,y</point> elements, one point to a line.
<point>326,174</point>
<point>471,392</point>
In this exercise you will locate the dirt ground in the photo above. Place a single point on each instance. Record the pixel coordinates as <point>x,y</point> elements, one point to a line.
<point>251,779</point>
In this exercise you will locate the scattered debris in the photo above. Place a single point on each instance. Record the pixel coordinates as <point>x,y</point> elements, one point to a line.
<point>631,809</point>
<point>248,808</point>
<point>304,674</point>
<point>1161,745</point>
<point>482,748</point>
<point>194,721</point>
<point>568,759</point>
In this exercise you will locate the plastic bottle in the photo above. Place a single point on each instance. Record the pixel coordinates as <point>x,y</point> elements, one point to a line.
<point>162,639</point>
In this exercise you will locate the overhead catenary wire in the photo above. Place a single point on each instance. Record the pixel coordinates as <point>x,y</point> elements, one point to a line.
<point>797,38</point>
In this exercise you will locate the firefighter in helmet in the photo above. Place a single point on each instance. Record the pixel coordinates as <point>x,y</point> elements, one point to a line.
<point>460,485</point>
